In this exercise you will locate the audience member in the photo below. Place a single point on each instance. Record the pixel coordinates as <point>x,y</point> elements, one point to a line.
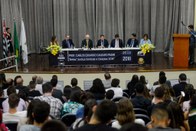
<point>54,125</point>
<point>192,113</point>
<point>87,114</point>
<point>20,107</point>
<point>67,93</point>
<point>56,93</point>
<point>98,89</point>
<point>162,73</point>
<point>12,114</point>
<point>74,84</point>
<point>3,81</point>
<point>39,83</point>
<point>34,78</point>
<point>55,104</point>
<point>131,85</point>
<point>162,80</point>
<point>160,119</point>
<point>177,118</point>
<point>1,98</point>
<point>133,127</point>
<point>181,86</point>
<point>40,115</point>
<point>73,105</point>
<point>107,82</point>
<point>125,114</point>
<point>2,125</point>
<point>109,94</point>
<point>139,101</point>
<point>102,115</point>
<point>32,92</point>
<point>118,92</point>
<point>19,86</point>
<point>15,79</point>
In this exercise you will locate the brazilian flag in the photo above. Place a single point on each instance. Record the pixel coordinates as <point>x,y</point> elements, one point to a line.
<point>16,43</point>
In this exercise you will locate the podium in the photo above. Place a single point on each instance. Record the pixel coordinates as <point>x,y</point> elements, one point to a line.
<point>181,50</point>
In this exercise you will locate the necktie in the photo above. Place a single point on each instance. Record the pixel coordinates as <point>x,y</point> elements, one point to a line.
<point>132,43</point>
<point>101,42</point>
<point>86,43</point>
<point>68,44</point>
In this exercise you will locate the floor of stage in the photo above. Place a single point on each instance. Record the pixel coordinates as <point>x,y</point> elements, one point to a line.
<point>39,63</point>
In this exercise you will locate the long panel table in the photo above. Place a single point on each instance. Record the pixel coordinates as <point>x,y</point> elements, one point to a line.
<point>97,56</point>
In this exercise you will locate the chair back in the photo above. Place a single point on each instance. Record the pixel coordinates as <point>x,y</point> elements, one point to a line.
<point>68,119</point>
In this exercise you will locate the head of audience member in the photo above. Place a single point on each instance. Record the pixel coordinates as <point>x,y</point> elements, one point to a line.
<point>86,96</point>
<point>133,36</point>
<point>87,36</point>
<point>159,94</point>
<point>182,77</point>
<point>47,88</point>
<point>117,36</point>
<point>31,85</point>
<point>53,82</point>
<point>19,82</point>
<point>13,101</point>
<point>74,82</point>
<point>104,112</point>
<point>193,102</point>
<point>55,77</point>
<point>134,79</point>
<point>143,80</point>
<point>1,92</point>
<point>162,79</point>
<point>98,89</point>
<point>67,91</point>
<point>115,82</point>
<point>133,127</point>
<point>53,39</point>
<point>75,96</point>
<point>107,76</point>
<point>34,78</point>
<point>145,36</point>
<point>15,79</point>
<point>191,27</point>
<point>7,29</point>
<point>10,82</point>
<point>88,109</point>
<point>167,92</point>
<point>109,94</point>
<point>139,88</point>
<point>175,115</point>
<point>41,113</point>
<point>160,116</point>
<point>161,73</point>
<point>102,37</point>
<point>54,125</point>
<point>189,92</point>
<point>125,112</point>
<point>23,95</point>
<point>11,90</point>
<point>39,80</point>
<point>30,108</point>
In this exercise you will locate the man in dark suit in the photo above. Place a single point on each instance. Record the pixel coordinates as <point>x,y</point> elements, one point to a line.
<point>67,43</point>
<point>181,86</point>
<point>192,42</point>
<point>102,42</point>
<point>117,42</point>
<point>133,42</point>
<point>87,42</point>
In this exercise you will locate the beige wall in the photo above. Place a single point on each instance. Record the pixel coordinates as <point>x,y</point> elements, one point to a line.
<point>150,76</point>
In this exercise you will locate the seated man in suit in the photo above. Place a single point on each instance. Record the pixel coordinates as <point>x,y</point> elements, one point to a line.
<point>102,42</point>
<point>87,42</point>
<point>67,42</point>
<point>132,42</point>
<point>117,42</point>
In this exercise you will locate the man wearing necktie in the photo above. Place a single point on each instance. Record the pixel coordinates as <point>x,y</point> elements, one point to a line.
<point>102,42</point>
<point>117,42</point>
<point>133,42</point>
<point>67,42</point>
<point>87,42</point>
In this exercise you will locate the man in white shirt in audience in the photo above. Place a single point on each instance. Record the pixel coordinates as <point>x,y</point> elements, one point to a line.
<point>39,82</point>
<point>13,115</point>
<point>107,82</point>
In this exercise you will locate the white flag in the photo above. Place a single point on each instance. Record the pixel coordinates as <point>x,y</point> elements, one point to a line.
<point>23,43</point>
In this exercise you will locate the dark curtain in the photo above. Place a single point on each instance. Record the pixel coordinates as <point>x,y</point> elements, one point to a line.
<point>44,18</point>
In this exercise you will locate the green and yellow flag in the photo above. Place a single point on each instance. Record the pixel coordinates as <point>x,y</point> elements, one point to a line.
<point>16,43</point>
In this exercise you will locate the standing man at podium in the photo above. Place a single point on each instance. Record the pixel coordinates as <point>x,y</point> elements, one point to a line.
<point>192,42</point>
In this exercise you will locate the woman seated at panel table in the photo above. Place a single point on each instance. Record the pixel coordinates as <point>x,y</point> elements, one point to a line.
<point>145,40</point>
<point>54,41</point>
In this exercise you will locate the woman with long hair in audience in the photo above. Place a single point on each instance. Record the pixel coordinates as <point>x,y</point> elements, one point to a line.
<point>131,85</point>
<point>146,87</point>
<point>98,89</point>
<point>125,114</point>
<point>192,113</point>
<point>177,118</point>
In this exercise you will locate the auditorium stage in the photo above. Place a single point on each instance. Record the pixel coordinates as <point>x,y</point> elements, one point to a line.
<point>39,63</point>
